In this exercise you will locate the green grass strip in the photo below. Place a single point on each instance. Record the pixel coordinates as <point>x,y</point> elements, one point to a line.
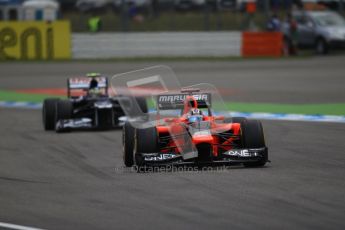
<point>325,109</point>
<point>6,95</point>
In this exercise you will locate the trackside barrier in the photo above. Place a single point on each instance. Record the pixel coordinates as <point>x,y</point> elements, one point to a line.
<point>262,44</point>
<point>35,40</point>
<point>156,44</point>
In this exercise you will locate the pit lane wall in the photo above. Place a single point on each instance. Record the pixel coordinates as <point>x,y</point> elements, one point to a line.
<point>153,44</point>
<point>32,40</point>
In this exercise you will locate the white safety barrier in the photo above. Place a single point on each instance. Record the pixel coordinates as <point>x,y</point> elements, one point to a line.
<point>160,44</point>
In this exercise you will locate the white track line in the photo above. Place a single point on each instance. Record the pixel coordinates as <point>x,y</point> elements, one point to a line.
<point>17,227</point>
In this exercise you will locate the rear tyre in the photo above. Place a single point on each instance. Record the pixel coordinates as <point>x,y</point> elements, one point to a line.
<point>253,137</point>
<point>128,144</point>
<point>146,141</point>
<point>48,113</point>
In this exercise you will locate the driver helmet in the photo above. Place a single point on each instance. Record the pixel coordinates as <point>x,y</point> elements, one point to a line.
<point>195,116</point>
<point>195,112</point>
<point>93,84</point>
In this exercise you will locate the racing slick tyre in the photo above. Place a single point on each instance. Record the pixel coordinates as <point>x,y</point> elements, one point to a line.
<point>146,141</point>
<point>49,112</point>
<point>127,144</point>
<point>64,109</point>
<point>234,119</point>
<point>253,137</point>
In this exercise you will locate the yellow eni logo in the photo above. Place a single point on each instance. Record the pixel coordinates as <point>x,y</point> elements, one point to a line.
<point>35,40</point>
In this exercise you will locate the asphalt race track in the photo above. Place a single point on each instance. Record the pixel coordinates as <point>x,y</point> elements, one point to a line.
<point>77,180</point>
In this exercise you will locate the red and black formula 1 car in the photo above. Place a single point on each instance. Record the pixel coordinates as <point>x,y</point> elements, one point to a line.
<point>195,136</point>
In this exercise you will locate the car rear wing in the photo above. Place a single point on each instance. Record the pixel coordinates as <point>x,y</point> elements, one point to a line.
<point>83,83</point>
<point>176,101</point>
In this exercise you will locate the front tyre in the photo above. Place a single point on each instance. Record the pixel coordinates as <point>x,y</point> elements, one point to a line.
<point>49,113</point>
<point>146,141</point>
<point>128,144</point>
<point>253,137</point>
<point>64,111</point>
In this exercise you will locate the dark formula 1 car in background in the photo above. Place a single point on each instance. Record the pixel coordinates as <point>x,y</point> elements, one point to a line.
<point>88,106</point>
<point>196,136</point>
